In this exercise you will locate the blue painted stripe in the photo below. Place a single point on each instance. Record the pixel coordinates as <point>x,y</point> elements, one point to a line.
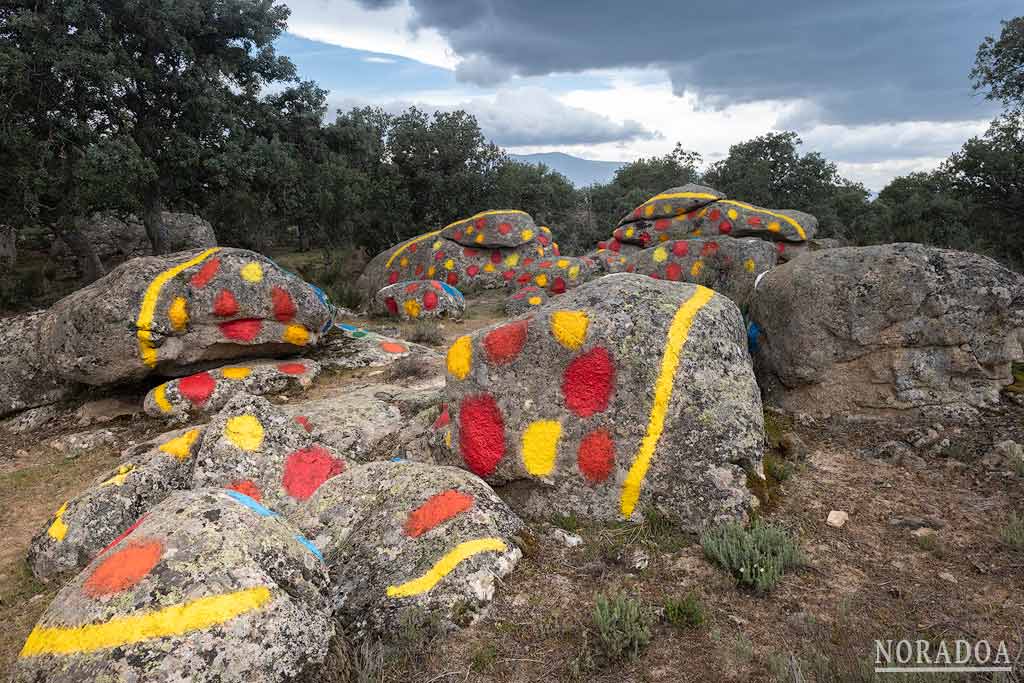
<point>309,546</point>
<point>251,504</point>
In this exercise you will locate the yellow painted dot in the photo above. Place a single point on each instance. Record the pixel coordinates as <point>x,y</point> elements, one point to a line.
<point>749,265</point>
<point>412,308</point>
<point>663,237</point>
<point>181,446</point>
<point>512,260</point>
<point>540,251</point>
<point>667,209</point>
<point>430,271</point>
<point>649,210</point>
<point>449,264</point>
<point>489,268</point>
<point>403,261</point>
<point>527,235</point>
<point>122,473</point>
<point>696,233</point>
<point>774,226</point>
<point>534,301</point>
<point>160,398</point>
<point>296,334</point>
<point>555,245</point>
<point>574,272</point>
<point>469,229</point>
<point>703,212</point>
<point>541,280</point>
<point>437,245</point>
<point>236,373</point>
<point>178,313</point>
<point>58,529</point>
<point>660,255</point>
<point>732,214</point>
<point>570,328</point>
<point>460,357</point>
<point>252,272</point>
<point>698,266</point>
<point>540,446</point>
<point>562,263</point>
<point>630,232</point>
<point>245,432</point>
<point>544,228</point>
<point>479,238</point>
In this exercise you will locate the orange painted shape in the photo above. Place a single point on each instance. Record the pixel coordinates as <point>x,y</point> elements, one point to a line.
<point>123,569</point>
<point>438,509</point>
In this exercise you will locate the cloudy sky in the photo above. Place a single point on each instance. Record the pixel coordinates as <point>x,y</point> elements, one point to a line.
<point>879,86</point>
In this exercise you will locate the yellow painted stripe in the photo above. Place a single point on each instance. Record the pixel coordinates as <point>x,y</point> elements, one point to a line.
<point>678,331</point>
<point>682,195</point>
<point>160,398</point>
<point>481,215</point>
<point>445,565</point>
<point>428,235</point>
<point>799,229</point>
<point>405,245</point>
<point>144,324</point>
<point>169,621</point>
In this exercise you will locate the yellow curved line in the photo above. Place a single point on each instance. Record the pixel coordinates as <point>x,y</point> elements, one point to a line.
<point>799,230</point>
<point>160,398</point>
<point>445,565</point>
<point>493,212</point>
<point>682,195</point>
<point>678,331</point>
<point>149,301</point>
<point>414,240</point>
<point>428,235</point>
<point>169,621</point>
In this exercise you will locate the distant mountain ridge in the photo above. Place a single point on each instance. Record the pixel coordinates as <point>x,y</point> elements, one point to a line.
<point>581,172</point>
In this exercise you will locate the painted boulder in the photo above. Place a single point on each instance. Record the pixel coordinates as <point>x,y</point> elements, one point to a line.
<point>169,314</point>
<point>624,394</point>
<point>25,379</point>
<point>496,228</point>
<point>896,329</point>
<point>556,275</point>
<point>208,391</point>
<point>210,586</point>
<point>350,346</point>
<point>675,201</point>
<point>411,300</point>
<point>728,266</point>
<point>258,449</point>
<point>117,499</point>
<point>526,299</point>
<point>608,261</point>
<point>407,541</point>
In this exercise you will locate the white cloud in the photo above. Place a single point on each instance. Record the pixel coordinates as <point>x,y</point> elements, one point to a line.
<point>379,60</point>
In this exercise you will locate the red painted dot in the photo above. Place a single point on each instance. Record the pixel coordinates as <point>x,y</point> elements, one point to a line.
<point>508,275</point>
<point>419,270</point>
<point>754,220</point>
<point>781,248</point>
<point>725,227</point>
<point>662,224</point>
<point>709,249</point>
<point>481,434</point>
<point>680,248</point>
<point>673,271</point>
<point>197,388</point>
<point>654,276</point>
<point>124,568</point>
<point>615,246</point>
<point>391,305</point>
<point>596,456</point>
<point>304,421</point>
<point>504,344</point>
<point>124,534</point>
<point>393,277</point>
<point>645,237</point>
<point>410,288</point>
<point>206,273</point>
<point>444,419</point>
<point>636,212</point>
<point>554,248</point>
<point>472,270</point>
<point>469,252</point>
<point>630,268</point>
<point>307,469</point>
<point>439,256</point>
<point>715,214</point>
<point>588,381</point>
<point>292,368</point>
<point>457,235</point>
<point>543,239</point>
<point>602,245</point>
<point>452,278</point>
<point>284,307</point>
<point>430,300</point>
<point>557,286</point>
<point>481,223</point>
<point>438,509</point>
<point>244,330</point>
<point>523,279</point>
<point>413,247</point>
<point>504,228</point>
<point>436,285</point>
<point>495,257</point>
<point>248,488</point>
<point>544,264</point>
<point>225,305</point>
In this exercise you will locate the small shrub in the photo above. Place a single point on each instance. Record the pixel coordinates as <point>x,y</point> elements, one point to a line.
<point>777,469</point>
<point>931,543</point>
<point>1013,533</point>
<point>662,531</point>
<point>425,332</point>
<point>567,522</point>
<point>687,612</point>
<point>622,627</point>
<point>757,556</point>
<point>484,658</point>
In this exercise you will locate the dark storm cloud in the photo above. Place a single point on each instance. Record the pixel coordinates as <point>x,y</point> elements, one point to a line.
<point>855,61</point>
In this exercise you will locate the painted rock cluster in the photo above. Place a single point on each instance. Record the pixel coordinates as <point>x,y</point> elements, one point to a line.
<point>891,329</point>
<point>210,585</point>
<point>406,540</point>
<point>556,275</point>
<point>169,313</point>
<point>208,391</point>
<point>626,393</point>
<point>412,300</point>
<point>492,229</point>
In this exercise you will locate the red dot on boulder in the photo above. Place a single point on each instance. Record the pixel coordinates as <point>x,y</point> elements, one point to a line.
<point>444,419</point>
<point>430,300</point>
<point>452,278</point>
<point>596,456</point>
<point>419,270</point>
<point>438,509</point>
<point>391,305</point>
<point>662,224</point>
<point>224,304</point>
<point>754,220</point>
<point>247,488</point>
<point>244,330</point>
<point>725,227</point>
<point>413,247</point>
<point>543,239</point>
<point>468,252</point>
<point>436,285</point>
<point>411,287</point>
<point>715,214</point>
<point>123,568</point>
<point>680,248</point>
<point>544,264</point>
<point>481,434</point>
<point>206,273</point>
<point>197,388</point>
<point>472,270</point>
<point>508,275</point>
<point>504,228</point>
<point>457,235</point>
<point>481,223</point>
<point>304,421</point>
<point>284,307</point>
<point>305,470</point>
<point>292,368</point>
<point>393,277</point>
<point>523,279</point>
<point>673,272</point>
<point>495,257</point>
<point>615,246</point>
<point>709,249</point>
<point>504,344</point>
<point>558,286</point>
<point>587,382</point>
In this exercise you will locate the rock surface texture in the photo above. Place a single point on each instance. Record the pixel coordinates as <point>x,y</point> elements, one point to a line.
<point>415,299</point>
<point>887,329</point>
<point>26,380</point>
<point>623,394</point>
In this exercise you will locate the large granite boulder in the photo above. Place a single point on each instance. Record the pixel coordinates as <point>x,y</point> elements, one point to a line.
<point>525,299</point>
<point>208,391</point>
<point>26,380</point>
<point>728,266</point>
<point>209,587</point>
<point>412,300</point>
<point>116,500</point>
<point>407,541</point>
<point>117,239</point>
<point>675,201</point>
<point>496,228</point>
<point>891,329</point>
<point>186,232</point>
<point>172,314</point>
<point>623,394</point>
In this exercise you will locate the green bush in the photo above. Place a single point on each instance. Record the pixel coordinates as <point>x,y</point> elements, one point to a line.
<point>687,612</point>
<point>622,627</point>
<point>757,556</point>
<point>1013,533</point>
<point>336,273</point>
<point>425,332</point>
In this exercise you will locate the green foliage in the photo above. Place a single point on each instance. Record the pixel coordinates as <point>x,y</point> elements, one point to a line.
<point>931,543</point>
<point>567,522</point>
<point>999,65</point>
<point>336,273</point>
<point>483,658</point>
<point>686,612</point>
<point>622,627</point>
<point>757,556</point>
<point>776,468</point>
<point>1012,534</point>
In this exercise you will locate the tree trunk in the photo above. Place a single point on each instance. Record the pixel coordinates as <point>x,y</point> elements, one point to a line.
<point>152,207</point>
<point>89,263</point>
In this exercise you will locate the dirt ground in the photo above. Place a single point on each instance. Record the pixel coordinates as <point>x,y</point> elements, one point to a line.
<point>871,579</point>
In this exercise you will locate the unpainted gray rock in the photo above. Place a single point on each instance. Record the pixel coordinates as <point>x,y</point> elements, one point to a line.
<point>209,587</point>
<point>895,329</point>
<point>90,521</point>
<point>208,391</point>
<point>186,231</point>
<point>116,239</point>
<point>416,299</point>
<point>26,380</point>
<point>172,314</point>
<point>349,347</point>
<point>624,394</point>
<point>407,542</point>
